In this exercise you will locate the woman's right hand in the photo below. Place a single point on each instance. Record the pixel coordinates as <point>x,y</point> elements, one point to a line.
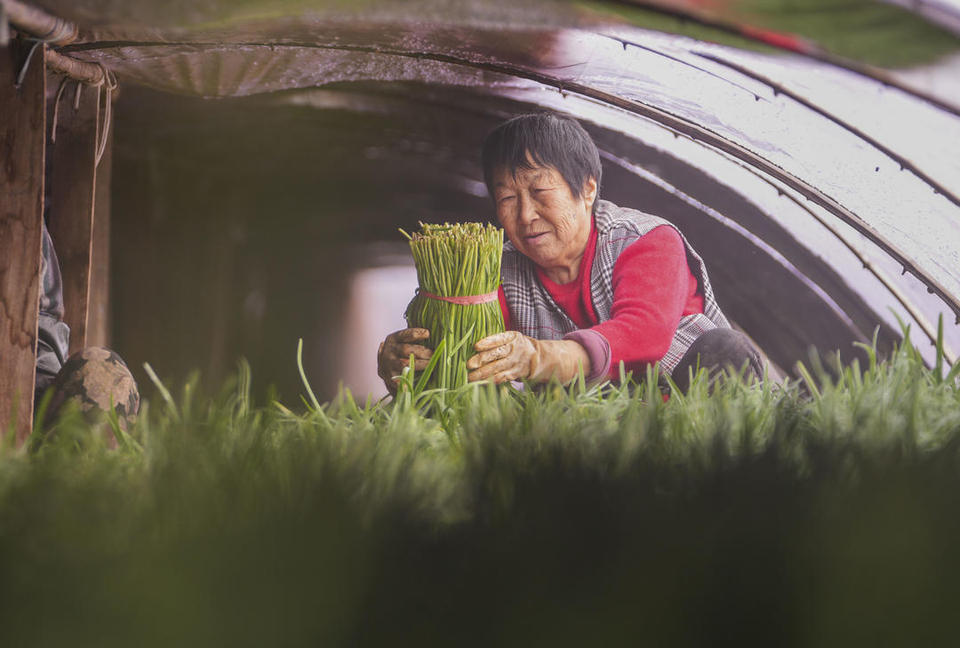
<point>394,355</point>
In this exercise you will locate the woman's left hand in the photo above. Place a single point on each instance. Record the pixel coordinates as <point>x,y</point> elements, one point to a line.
<point>502,357</point>
<point>514,356</point>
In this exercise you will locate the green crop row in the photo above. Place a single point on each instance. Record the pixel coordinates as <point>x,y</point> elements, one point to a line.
<point>820,512</point>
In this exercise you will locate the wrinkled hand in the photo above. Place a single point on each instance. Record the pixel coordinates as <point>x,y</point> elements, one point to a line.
<point>394,354</point>
<point>514,356</point>
<point>502,357</point>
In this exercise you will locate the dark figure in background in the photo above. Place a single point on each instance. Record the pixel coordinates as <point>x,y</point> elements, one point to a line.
<point>95,379</point>
<point>586,284</point>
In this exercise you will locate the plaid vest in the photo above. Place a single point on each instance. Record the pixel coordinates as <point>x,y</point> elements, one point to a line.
<point>537,315</point>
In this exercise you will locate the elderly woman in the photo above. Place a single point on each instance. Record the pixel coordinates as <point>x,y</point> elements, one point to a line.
<point>585,284</point>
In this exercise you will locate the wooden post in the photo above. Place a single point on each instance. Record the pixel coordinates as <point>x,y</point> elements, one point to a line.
<point>22,129</point>
<point>72,175</point>
<point>98,314</point>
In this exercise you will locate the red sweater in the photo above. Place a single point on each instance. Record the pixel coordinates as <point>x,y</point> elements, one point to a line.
<point>653,288</point>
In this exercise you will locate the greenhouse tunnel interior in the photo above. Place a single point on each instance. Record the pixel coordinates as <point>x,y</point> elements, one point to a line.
<point>241,225</point>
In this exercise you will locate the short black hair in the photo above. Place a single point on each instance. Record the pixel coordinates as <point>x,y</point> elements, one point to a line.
<point>548,139</point>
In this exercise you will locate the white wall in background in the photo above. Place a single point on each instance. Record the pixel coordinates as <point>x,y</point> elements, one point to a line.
<point>378,298</point>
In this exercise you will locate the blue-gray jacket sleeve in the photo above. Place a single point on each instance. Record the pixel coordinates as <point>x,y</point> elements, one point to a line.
<point>53,335</point>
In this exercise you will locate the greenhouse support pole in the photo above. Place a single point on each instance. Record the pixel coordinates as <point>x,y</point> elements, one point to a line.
<point>22,131</point>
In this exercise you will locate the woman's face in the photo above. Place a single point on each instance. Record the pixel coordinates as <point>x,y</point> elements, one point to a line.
<point>543,219</point>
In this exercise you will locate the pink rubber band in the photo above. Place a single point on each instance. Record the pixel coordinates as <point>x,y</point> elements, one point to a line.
<point>469,300</point>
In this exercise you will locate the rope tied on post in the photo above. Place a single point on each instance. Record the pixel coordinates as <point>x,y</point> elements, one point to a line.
<point>22,74</point>
<point>34,24</point>
<point>56,109</point>
<point>107,82</point>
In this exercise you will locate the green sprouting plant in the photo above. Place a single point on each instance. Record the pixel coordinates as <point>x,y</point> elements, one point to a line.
<point>455,261</point>
<point>224,521</point>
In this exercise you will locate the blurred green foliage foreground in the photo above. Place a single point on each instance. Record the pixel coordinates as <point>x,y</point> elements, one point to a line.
<point>825,513</point>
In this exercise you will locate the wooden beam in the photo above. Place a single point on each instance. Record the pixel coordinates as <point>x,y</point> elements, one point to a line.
<point>72,175</point>
<point>73,68</point>
<point>22,130</point>
<point>39,23</point>
<point>98,315</point>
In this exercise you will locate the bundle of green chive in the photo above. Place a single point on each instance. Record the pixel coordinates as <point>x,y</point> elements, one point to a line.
<point>459,260</point>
